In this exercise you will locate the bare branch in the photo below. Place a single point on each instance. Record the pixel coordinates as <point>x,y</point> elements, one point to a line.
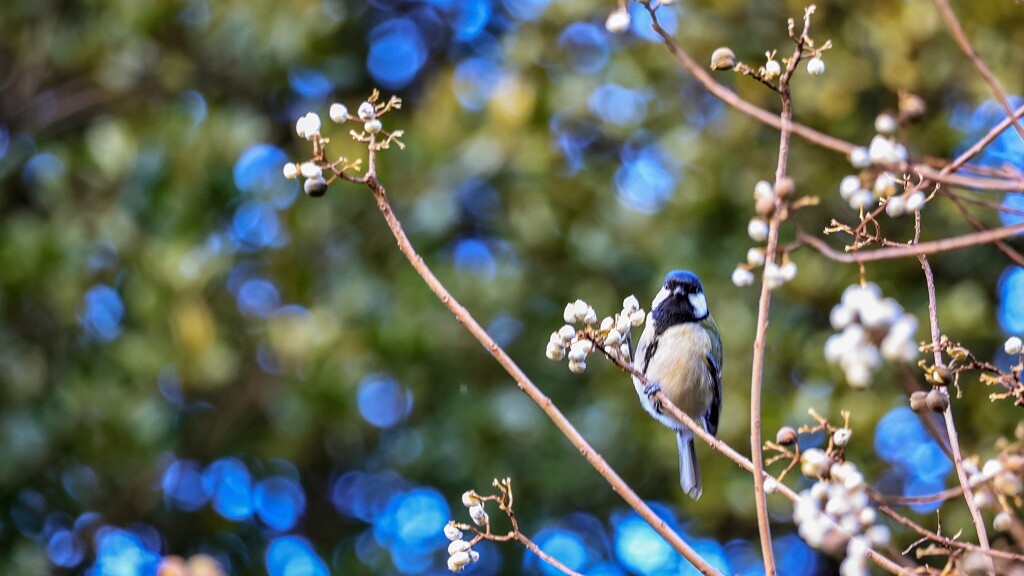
<point>965,44</point>
<point>909,250</point>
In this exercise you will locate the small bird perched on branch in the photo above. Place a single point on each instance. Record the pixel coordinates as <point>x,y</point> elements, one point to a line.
<point>680,354</point>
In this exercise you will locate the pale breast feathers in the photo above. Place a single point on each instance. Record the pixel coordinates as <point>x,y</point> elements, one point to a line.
<point>680,366</point>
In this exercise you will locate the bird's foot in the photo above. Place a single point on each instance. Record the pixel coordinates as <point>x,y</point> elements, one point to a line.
<point>651,390</point>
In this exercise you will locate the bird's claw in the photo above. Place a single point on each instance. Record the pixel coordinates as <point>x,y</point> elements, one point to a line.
<point>651,390</point>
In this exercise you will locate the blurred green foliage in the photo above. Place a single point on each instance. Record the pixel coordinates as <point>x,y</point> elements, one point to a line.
<point>141,183</point>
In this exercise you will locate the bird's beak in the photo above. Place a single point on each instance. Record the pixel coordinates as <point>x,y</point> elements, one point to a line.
<point>679,291</point>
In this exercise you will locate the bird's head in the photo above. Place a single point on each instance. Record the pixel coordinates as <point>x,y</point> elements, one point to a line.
<point>681,299</point>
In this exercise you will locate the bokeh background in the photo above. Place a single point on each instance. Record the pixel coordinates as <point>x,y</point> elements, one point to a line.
<point>197,358</point>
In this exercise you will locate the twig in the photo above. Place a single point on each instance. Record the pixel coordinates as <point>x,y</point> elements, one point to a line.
<point>944,541</point>
<point>965,44</point>
<point>933,247</point>
<point>1003,247</point>
<point>764,303</point>
<point>980,145</point>
<point>905,500</point>
<point>522,539</point>
<point>954,442</point>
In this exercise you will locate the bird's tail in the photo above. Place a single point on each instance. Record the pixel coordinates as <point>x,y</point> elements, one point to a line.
<point>689,473</point>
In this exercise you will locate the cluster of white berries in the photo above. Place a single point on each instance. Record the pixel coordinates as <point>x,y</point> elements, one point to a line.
<point>611,335</point>
<point>1005,474</point>
<point>884,150</point>
<point>309,126</point>
<point>835,512</point>
<point>776,273</point>
<point>871,328</point>
<point>885,187</point>
<point>460,552</point>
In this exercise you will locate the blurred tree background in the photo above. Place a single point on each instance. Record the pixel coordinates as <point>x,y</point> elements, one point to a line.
<point>197,358</point>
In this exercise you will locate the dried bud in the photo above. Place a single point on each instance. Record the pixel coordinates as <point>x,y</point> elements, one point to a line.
<point>1002,522</point>
<point>458,561</point>
<point>723,59</point>
<point>886,124</point>
<point>315,187</point>
<point>618,21</point>
<point>367,111</point>
<point>785,187</point>
<point>786,436</point>
<point>1015,463</point>
<point>918,401</point>
<point>941,375</point>
<point>764,207</point>
<point>841,437</point>
<point>1012,346</point>
<point>338,113</point>
<point>1008,483</point>
<point>451,532</point>
<point>816,66</point>
<point>814,463</point>
<point>937,400</point>
<point>478,514</point>
<point>911,106</point>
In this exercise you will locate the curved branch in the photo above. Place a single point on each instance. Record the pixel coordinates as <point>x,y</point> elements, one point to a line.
<point>965,44</point>
<point>933,247</point>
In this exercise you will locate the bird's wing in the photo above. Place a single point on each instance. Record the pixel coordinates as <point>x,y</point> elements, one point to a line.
<point>711,416</point>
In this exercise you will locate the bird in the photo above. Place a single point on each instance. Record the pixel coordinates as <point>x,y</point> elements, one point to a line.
<point>680,354</point>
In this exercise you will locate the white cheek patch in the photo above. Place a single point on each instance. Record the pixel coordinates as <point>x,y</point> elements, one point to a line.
<point>700,304</point>
<point>662,294</point>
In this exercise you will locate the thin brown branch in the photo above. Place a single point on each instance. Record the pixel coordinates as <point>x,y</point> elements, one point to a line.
<point>943,540</point>
<point>522,539</point>
<point>965,44</point>
<point>906,500</point>
<point>980,145</point>
<point>906,251</point>
<point>969,182</point>
<point>954,442</point>
<point>1003,247</point>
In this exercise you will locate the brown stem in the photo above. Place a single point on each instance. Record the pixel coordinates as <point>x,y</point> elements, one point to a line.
<point>947,542</point>
<point>985,141</point>
<point>933,247</point>
<point>954,442</point>
<point>906,500</point>
<point>522,539</point>
<point>525,384</point>
<point>965,44</point>
<point>1005,248</point>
